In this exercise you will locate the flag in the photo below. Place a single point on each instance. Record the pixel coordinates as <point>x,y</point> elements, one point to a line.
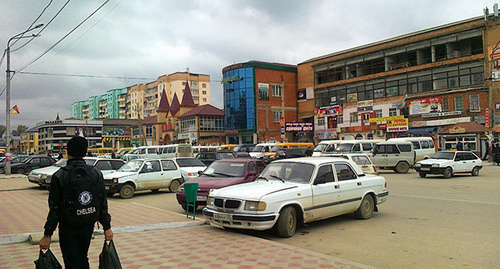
<point>15,110</point>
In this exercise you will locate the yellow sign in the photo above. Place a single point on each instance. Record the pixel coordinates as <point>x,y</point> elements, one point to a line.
<point>397,123</point>
<point>382,119</point>
<point>457,130</point>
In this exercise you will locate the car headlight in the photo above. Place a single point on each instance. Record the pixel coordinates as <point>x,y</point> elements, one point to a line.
<point>45,177</point>
<point>255,206</point>
<point>210,201</point>
<point>417,165</point>
<point>435,165</point>
<point>115,180</point>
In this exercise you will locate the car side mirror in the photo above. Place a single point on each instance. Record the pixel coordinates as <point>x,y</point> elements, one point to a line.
<point>200,173</point>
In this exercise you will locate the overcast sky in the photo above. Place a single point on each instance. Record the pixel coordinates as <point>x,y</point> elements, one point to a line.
<point>142,40</point>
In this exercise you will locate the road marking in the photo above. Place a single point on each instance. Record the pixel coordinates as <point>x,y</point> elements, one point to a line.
<point>444,199</point>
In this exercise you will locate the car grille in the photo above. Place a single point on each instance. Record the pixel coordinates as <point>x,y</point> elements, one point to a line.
<point>227,203</point>
<point>427,165</point>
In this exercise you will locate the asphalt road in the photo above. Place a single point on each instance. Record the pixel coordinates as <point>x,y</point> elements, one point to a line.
<point>426,223</point>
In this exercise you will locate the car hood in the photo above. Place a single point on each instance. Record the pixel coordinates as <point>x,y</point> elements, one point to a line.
<point>118,174</point>
<point>254,190</point>
<point>205,182</point>
<point>49,170</point>
<point>434,161</point>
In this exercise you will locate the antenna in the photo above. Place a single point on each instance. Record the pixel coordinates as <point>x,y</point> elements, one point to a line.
<point>495,10</point>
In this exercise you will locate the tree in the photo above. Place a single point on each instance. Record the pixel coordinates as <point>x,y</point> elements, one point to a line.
<point>2,130</point>
<point>20,129</point>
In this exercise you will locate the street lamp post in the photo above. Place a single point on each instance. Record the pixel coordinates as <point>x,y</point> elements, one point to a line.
<point>7,93</point>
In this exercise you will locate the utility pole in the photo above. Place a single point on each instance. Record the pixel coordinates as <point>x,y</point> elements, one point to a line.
<point>283,107</point>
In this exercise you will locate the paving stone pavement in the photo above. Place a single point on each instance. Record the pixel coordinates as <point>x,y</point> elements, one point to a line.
<point>148,237</point>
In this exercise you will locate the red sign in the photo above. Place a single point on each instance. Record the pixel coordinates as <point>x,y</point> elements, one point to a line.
<point>487,118</point>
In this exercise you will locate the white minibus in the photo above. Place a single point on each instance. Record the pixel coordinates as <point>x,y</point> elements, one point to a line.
<point>424,146</point>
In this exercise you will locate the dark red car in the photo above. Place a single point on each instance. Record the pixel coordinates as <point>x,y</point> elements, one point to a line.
<point>220,174</point>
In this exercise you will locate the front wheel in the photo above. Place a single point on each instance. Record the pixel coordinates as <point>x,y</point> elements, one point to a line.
<point>402,167</point>
<point>422,175</point>
<point>447,172</point>
<point>127,191</point>
<point>366,208</point>
<point>475,171</point>
<point>287,222</point>
<point>175,186</point>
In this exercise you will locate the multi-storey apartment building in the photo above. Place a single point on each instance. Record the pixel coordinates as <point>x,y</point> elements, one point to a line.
<point>106,106</point>
<point>175,84</point>
<point>423,83</point>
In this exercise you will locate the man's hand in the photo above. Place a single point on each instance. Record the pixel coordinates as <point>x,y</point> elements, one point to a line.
<point>108,234</point>
<point>45,242</point>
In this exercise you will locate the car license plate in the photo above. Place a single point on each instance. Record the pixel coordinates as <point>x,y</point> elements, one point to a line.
<point>107,188</point>
<point>425,169</point>
<point>201,198</point>
<point>222,217</point>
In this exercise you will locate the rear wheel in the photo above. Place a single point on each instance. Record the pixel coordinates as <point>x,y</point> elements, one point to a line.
<point>365,210</point>
<point>402,167</point>
<point>287,222</point>
<point>175,186</point>
<point>475,171</point>
<point>447,172</point>
<point>422,175</point>
<point>127,191</point>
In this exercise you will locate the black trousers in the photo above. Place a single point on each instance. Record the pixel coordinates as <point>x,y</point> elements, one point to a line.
<point>74,243</point>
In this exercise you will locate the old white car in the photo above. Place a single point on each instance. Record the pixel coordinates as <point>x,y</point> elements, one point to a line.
<point>448,163</point>
<point>296,191</point>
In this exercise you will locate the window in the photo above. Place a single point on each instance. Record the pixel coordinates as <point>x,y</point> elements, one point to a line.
<point>321,121</point>
<point>204,99</point>
<point>391,149</point>
<point>203,85</point>
<point>116,165</point>
<point>325,175</point>
<point>378,113</point>
<point>251,167</point>
<point>276,116</point>
<point>168,165</point>
<point>393,112</point>
<point>103,165</point>
<point>361,160</point>
<point>367,146</point>
<point>444,105</point>
<point>276,90</point>
<point>474,105</point>
<point>357,147</point>
<point>149,131</point>
<point>183,83</point>
<point>194,83</point>
<point>353,117</point>
<point>425,144</point>
<point>344,172</point>
<point>203,92</point>
<point>459,103</point>
<point>405,148</point>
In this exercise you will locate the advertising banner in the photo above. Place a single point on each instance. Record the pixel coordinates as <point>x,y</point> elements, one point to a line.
<point>301,95</point>
<point>299,127</point>
<point>425,105</point>
<point>263,91</point>
<point>329,111</point>
<point>365,105</point>
<point>397,125</point>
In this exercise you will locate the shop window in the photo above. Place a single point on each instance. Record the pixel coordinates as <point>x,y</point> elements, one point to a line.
<point>459,103</point>
<point>393,112</point>
<point>378,113</point>
<point>321,121</point>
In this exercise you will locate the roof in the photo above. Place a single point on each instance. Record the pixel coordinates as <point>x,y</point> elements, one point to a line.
<point>463,127</point>
<point>204,110</point>
<point>496,129</point>
<point>174,108</point>
<point>164,106</point>
<point>321,160</point>
<point>187,97</point>
<point>149,120</point>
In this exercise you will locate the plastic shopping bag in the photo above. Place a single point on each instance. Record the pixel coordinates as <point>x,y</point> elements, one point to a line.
<point>108,259</point>
<point>47,260</point>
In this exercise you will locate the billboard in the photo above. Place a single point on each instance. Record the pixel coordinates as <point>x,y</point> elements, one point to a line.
<point>425,105</point>
<point>299,127</point>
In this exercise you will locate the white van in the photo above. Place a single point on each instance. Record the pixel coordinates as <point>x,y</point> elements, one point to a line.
<point>198,149</point>
<point>175,150</point>
<point>357,146</point>
<point>259,150</point>
<point>424,146</point>
<point>396,155</point>
<point>326,147</point>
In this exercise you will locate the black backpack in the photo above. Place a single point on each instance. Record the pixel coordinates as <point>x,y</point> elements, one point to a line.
<point>81,196</point>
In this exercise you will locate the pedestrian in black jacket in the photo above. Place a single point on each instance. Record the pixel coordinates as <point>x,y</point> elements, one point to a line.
<point>76,217</point>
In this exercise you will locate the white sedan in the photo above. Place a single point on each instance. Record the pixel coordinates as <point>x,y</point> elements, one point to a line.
<point>448,163</point>
<point>295,191</point>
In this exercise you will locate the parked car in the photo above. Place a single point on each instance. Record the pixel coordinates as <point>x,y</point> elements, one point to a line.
<point>290,153</point>
<point>271,155</point>
<point>449,163</point>
<point>208,157</point>
<point>32,162</point>
<point>362,160</point>
<point>189,167</point>
<point>295,191</point>
<point>423,146</point>
<point>326,148</point>
<point>396,155</point>
<point>143,174</point>
<point>356,146</point>
<point>259,150</point>
<point>221,174</point>
<point>243,148</point>
<point>43,176</point>
<point>14,160</point>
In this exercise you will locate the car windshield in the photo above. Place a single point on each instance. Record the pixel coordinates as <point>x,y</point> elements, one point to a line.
<point>257,149</point>
<point>275,148</point>
<point>288,172</point>
<point>132,166</point>
<point>133,151</point>
<point>443,155</point>
<point>225,169</point>
<point>344,147</point>
<point>320,147</point>
<point>188,162</point>
<point>62,162</point>
<point>224,155</point>
<point>19,159</point>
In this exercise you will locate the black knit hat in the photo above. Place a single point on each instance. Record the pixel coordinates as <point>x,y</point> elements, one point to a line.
<point>77,146</point>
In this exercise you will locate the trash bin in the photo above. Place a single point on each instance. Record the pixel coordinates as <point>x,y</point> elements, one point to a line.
<point>191,191</point>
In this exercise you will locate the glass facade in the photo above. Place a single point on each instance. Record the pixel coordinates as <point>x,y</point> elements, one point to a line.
<point>239,99</point>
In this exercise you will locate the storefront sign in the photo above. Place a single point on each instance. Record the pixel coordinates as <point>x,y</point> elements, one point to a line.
<point>231,79</point>
<point>447,121</point>
<point>397,129</point>
<point>457,130</point>
<point>397,125</point>
<point>440,114</point>
<point>365,105</point>
<point>419,123</point>
<point>385,119</point>
<point>425,105</point>
<point>231,132</point>
<point>359,129</point>
<point>329,111</point>
<point>299,127</point>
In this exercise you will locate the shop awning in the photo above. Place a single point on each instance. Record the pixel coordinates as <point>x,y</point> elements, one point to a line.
<point>427,130</point>
<point>496,129</point>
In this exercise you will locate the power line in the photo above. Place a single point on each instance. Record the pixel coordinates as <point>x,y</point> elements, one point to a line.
<point>41,13</point>
<point>83,76</point>
<point>46,25</point>
<point>64,37</point>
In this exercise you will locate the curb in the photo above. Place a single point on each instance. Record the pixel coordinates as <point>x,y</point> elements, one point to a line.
<point>29,237</point>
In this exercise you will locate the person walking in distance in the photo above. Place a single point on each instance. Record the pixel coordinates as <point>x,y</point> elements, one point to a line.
<point>77,199</point>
